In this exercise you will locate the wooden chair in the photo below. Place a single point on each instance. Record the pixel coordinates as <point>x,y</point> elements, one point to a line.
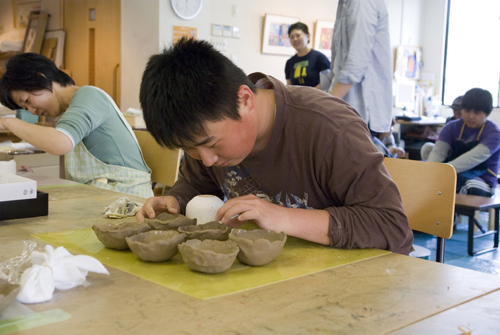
<point>164,163</point>
<point>428,193</point>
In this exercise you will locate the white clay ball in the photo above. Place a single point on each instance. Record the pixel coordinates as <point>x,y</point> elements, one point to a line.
<point>203,208</point>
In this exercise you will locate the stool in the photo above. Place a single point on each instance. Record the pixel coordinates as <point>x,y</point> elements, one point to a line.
<point>467,205</point>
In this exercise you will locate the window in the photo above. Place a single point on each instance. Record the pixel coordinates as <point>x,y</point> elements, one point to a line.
<point>472,51</point>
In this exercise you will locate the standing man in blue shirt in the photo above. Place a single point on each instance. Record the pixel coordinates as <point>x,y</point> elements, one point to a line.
<point>361,61</point>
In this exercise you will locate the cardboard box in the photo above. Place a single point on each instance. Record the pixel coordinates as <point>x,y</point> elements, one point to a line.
<point>28,208</point>
<point>136,121</point>
<point>14,187</point>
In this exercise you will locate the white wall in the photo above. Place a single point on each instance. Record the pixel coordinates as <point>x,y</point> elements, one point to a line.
<point>139,40</point>
<point>433,31</point>
<point>246,49</point>
<point>147,27</point>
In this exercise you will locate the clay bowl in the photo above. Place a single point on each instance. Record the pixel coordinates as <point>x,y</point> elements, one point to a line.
<point>113,235</point>
<point>8,293</point>
<point>258,247</point>
<point>167,221</point>
<point>213,230</point>
<point>155,245</point>
<point>209,256</point>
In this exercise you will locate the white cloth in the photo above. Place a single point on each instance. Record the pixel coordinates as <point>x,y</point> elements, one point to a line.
<point>121,208</point>
<point>55,269</point>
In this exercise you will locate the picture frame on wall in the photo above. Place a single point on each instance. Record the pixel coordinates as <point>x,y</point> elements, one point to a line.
<point>322,41</point>
<point>53,46</point>
<point>275,35</point>
<point>35,31</point>
<point>22,10</point>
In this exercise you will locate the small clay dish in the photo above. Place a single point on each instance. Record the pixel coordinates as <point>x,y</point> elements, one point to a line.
<point>213,230</point>
<point>113,235</point>
<point>258,247</point>
<point>209,256</point>
<point>167,221</point>
<point>8,293</point>
<point>155,245</point>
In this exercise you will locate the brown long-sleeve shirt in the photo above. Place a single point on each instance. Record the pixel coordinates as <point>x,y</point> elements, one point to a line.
<point>320,156</point>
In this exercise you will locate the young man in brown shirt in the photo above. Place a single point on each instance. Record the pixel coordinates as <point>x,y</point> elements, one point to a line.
<point>292,159</point>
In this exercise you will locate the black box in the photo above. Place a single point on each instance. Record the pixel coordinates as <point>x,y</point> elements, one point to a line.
<point>28,208</point>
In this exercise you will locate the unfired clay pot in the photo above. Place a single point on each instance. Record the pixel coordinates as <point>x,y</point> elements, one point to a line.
<point>166,221</point>
<point>258,247</point>
<point>8,293</point>
<point>213,230</point>
<point>113,235</point>
<point>209,256</point>
<point>155,245</point>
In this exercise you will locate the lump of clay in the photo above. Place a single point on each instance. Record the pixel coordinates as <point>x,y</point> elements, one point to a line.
<point>258,247</point>
<point>213,230</point>
<point>208,256</point>
<point>8,293</point>
<point>167,221</point>
<point>113,235</point>
<point>155,245</point>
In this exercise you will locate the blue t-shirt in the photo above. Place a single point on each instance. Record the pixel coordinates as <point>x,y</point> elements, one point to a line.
<point>490,137</point>
<point>305,70</point>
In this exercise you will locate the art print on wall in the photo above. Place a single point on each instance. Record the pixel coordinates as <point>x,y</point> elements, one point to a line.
<point>408,62</point>
<point>275,35</point>
<point>322,42</point>
<point>53,46</point>
<point>22,10</point>
<point>35,31</point>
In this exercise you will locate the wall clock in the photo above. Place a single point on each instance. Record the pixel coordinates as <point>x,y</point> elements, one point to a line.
<point>186,9</point>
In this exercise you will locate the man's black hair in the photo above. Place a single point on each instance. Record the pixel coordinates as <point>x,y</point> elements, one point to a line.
<point>185,86</point>
<point>479,100</point>
<point>29,72</point>
<point>298,26</point>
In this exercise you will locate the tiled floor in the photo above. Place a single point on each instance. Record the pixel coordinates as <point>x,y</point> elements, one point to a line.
<point>456,248</point>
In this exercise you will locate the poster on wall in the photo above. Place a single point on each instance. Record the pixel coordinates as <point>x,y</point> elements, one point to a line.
<point>22,9</point>
<point>408,62</point>
<point>275,35</point>
<point>180,31</point>
<point>322,42</point>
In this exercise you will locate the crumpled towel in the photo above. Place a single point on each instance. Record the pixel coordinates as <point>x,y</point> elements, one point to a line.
<point>55,269</point>
<point>122,208</point>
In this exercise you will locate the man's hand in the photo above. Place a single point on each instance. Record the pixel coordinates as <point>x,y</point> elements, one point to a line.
<point>250,207</point>
<point>155,205</point>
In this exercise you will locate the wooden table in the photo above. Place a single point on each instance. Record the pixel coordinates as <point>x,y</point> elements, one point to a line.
<point>375,296</point>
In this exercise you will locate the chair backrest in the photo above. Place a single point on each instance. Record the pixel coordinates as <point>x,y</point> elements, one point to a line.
<point>428,193</point>
<point>164,163</point>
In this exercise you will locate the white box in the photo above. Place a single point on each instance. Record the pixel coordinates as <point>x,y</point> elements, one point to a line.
<point>14,187</point>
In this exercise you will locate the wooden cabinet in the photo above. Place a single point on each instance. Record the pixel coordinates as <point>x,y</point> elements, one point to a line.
<point>92,47</point>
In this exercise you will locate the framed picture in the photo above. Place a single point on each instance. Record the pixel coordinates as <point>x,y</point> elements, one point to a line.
<point>22,10</point>
<point>53,46</point>
<point>275,35</point>
<point>35,31</point>
<point>322,42</point>
<point>408,62</point>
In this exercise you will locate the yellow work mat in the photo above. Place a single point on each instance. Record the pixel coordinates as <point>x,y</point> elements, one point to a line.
<point>298,258</point>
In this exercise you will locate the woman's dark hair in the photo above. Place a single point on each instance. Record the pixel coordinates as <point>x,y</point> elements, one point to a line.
<point>185,86</point>
<point>478,99</point>
<point>298,26</point>
<point>30,72</point>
